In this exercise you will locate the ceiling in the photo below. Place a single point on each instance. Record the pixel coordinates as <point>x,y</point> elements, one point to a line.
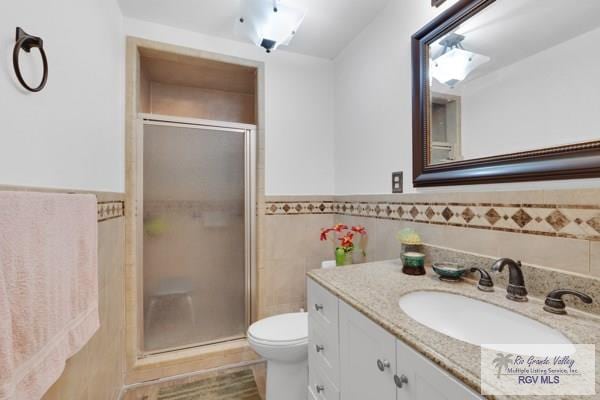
<point>328,27</point>
<point>510,30</point>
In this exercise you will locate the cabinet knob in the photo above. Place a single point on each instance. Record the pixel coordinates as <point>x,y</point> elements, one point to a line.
<point>319,348</point>
<point>319,307</point>
<point>400,380</point>
<point>383,364</point>
<point>320,388</point>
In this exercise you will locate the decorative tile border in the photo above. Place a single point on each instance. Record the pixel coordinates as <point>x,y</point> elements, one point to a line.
<point>110,210</point>
<point>300,207</point>
<point>569,221</point>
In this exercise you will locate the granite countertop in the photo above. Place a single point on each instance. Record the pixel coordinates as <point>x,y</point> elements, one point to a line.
<point>375,288</point>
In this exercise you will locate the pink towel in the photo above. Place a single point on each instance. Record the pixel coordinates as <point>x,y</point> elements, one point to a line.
<point>48,287</point>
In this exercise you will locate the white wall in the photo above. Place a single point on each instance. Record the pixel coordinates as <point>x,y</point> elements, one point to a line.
<point>373,111</point>
<point>548,99</point>
<point>298,108</point>
<point>373,114</point>
<point>70,135</point>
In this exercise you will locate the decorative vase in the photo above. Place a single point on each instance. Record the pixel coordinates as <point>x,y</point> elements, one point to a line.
<point>343,257</point>
<point>413,261</point>
<point>359,256</point>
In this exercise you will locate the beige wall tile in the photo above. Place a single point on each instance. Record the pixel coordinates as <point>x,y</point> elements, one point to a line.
<point>573,196</point>
<point>567,254</point>
<point>387,246</point>
<point>290,246</point>
<point>195,102</point>
<point>595,258</point>
<point>504,197</point>
<point>97,371</point>
<point>482,241</point>
<point>294,235</point>
<point>561,253</point>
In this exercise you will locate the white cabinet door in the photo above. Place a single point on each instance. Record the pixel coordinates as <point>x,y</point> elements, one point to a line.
<point>423,380</point>
<point>367,358</point>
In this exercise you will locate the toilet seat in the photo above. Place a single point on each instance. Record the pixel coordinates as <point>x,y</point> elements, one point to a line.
<point>280,330</point>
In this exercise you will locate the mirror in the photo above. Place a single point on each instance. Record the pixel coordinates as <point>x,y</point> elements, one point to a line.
<point>501,83</point>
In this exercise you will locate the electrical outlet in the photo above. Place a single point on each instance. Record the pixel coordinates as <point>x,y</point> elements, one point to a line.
<point>397,184</point>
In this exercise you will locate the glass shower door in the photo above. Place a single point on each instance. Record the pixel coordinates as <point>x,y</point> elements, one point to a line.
<point>195,235</point>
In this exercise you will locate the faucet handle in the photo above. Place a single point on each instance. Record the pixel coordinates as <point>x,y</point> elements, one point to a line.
<point>485,281</point>
<point>554,303</point>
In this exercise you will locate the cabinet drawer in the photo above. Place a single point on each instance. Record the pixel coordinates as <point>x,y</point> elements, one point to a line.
<point>322,306</point>
<point>323,351</point>
<point>320,386</point>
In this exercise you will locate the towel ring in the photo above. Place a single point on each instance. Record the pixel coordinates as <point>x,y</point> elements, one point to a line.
<point>27,42</point>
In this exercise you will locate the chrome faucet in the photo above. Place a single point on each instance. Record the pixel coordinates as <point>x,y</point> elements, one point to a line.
<point>515,290</point>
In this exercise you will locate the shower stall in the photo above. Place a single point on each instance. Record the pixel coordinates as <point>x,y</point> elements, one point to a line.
<point>195,231</point>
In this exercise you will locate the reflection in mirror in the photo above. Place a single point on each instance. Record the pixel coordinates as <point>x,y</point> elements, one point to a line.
<point>519,75</point>
<point>445,128</point>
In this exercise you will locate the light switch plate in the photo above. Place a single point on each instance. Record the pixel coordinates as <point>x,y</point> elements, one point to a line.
<point>397,184</point>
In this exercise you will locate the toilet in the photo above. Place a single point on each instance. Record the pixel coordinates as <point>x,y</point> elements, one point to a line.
<point>282,340</point>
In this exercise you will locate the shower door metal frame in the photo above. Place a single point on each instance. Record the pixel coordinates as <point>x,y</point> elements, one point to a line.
<point>249,132</point>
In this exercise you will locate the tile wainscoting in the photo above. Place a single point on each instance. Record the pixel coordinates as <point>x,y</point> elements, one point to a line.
<point>110,209</point>
<point>556,229</point>
<point>570,221</point>
<point>98,370</point>
<point>289,246</point>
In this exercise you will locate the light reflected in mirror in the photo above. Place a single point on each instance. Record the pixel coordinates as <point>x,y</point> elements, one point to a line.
<point>520,75</point>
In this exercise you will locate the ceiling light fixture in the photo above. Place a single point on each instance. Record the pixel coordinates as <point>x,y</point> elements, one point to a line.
<point>455,63</point>
<point>269,23</point>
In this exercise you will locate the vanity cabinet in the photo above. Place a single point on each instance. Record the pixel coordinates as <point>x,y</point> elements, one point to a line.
<point>352,358</point>
<point>425,380</point>
<point>367,358</point>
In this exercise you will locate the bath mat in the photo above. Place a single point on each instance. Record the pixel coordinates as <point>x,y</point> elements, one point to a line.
<point>239,385</point>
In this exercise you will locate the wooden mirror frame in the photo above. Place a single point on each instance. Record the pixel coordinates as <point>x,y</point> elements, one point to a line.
<point>561,162</point>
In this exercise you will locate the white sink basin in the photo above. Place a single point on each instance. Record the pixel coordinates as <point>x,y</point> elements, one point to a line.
<point>480,323</point>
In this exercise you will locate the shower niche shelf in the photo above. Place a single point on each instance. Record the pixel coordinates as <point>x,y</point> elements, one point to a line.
<point>194,87</point>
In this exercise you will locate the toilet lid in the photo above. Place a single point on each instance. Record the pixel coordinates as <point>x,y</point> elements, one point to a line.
<point>281,328</point>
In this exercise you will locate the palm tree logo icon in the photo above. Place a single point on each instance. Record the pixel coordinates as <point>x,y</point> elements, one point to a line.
<point>502,361</point>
